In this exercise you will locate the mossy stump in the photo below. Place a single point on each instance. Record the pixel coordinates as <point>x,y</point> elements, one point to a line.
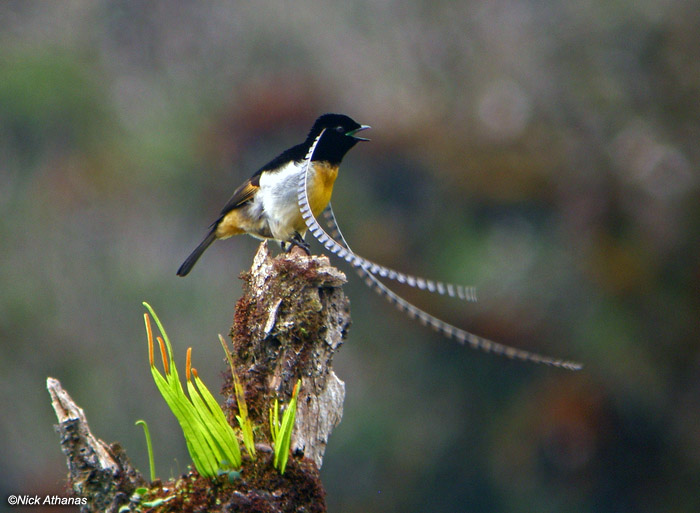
<point>293,316</point>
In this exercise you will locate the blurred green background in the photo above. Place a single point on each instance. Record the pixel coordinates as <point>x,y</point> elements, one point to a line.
<point>546,152</point>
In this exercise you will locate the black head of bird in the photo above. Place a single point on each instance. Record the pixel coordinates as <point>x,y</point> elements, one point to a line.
<point>339,137</point>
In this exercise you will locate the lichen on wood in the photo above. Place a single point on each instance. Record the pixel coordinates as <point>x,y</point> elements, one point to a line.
<point>292,318</point>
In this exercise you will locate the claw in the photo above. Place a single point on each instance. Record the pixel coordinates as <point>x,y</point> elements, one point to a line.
<point>298,241</point>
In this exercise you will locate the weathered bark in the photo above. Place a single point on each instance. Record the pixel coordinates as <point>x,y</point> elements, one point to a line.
<point>289,322</point>
<point>100,473</point>
<point>292,318</point>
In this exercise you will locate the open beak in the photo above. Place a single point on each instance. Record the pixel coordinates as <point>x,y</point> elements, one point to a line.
<point>352,133</point>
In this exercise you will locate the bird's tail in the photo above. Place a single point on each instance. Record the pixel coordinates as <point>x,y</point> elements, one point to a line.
<point>188,264</point>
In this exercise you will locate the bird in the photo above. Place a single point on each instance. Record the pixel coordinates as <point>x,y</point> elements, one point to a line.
<point>265,206</point>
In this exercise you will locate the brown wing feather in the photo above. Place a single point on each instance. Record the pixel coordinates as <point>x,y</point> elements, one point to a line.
<point>242,195</point>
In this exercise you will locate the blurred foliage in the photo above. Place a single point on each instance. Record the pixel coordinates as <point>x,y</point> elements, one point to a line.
<point>543,151</point>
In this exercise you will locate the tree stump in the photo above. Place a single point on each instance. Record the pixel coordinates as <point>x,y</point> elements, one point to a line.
<point>293,316</point>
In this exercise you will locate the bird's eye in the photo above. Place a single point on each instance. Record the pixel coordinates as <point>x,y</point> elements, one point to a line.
<point>340,129</point>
